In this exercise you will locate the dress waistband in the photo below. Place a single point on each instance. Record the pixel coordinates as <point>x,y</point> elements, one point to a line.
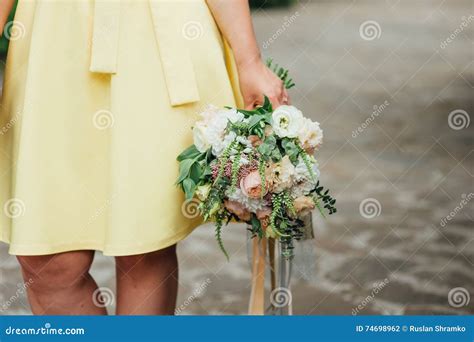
<point>177,64</point>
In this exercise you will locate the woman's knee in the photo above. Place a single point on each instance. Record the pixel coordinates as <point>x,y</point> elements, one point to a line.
<point>57,270</point>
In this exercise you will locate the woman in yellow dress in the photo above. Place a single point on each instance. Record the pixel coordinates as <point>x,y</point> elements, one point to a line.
<point>99,98</point>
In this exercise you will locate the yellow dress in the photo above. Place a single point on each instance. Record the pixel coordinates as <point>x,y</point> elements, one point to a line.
<point>99,98</point>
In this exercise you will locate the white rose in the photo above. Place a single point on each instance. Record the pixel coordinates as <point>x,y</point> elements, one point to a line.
<point>200,137</point>
<point>219,145</point>
<point>287,121</point>
<point>232,115</point>
<point>209,114</point>
<point>310,134</point>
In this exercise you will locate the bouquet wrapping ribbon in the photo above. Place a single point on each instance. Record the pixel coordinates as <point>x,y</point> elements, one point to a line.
<point>257,294</point>
<point>168,26</point>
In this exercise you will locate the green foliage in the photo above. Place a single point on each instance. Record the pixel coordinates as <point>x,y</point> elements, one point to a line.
<point>328,202</point>
<point>289,203</point>
<point>308,163</point>
<point>267,147</point>
<point>256,226</point>
<point>224,158</point>
<point>281,73</point>
<point>219,225</point>
<point>3,40</point>
<point>193,169</point>
<point>291,148</point>
<point>277,215</point>
<point>261,171</point>
<point>235,170</point>
<point>190,153</point>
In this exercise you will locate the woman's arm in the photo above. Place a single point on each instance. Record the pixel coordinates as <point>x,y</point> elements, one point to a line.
<point>5,9</point>
<point>234,20</point>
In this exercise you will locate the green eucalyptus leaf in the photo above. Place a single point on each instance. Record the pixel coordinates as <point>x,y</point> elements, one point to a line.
<point>184,169</point>
<point>195,172</point>
<point>189,188</point>
<point>190,153</point>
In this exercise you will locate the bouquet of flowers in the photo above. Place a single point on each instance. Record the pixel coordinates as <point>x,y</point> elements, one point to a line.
<point>257,167</point>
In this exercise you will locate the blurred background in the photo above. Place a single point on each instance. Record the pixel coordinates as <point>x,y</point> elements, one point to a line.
<point>391,83</point>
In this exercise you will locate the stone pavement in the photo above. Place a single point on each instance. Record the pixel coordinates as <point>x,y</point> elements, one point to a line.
<point>382,77</point>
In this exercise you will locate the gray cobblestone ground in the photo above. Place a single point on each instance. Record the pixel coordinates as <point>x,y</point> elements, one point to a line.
<point>406,157</point>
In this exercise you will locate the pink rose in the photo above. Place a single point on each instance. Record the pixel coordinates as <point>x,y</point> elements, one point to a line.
<point>238,209</point>
<point>251,185</point>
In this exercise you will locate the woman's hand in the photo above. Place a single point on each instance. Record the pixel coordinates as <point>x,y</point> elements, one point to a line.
<point>257,80</point>
<point>234,20</point>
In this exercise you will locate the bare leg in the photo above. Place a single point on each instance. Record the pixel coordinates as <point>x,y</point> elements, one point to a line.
<point>60,284</point>
<point>147,284</point>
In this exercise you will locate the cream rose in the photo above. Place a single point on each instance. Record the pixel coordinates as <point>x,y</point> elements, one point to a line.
<point>282,174</point>
<point>303,205</point>
<point>310,135</point>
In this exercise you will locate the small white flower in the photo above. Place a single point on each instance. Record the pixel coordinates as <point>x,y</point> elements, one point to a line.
<point>310,134</point>
<point>244,141</point>
<point>287,121</point>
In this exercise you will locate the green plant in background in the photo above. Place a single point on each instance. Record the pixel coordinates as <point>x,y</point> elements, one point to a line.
<point>270,3</point>
<point>4,40</point>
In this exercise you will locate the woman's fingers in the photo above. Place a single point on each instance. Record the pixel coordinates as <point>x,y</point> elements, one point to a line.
<point>285,98</point>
